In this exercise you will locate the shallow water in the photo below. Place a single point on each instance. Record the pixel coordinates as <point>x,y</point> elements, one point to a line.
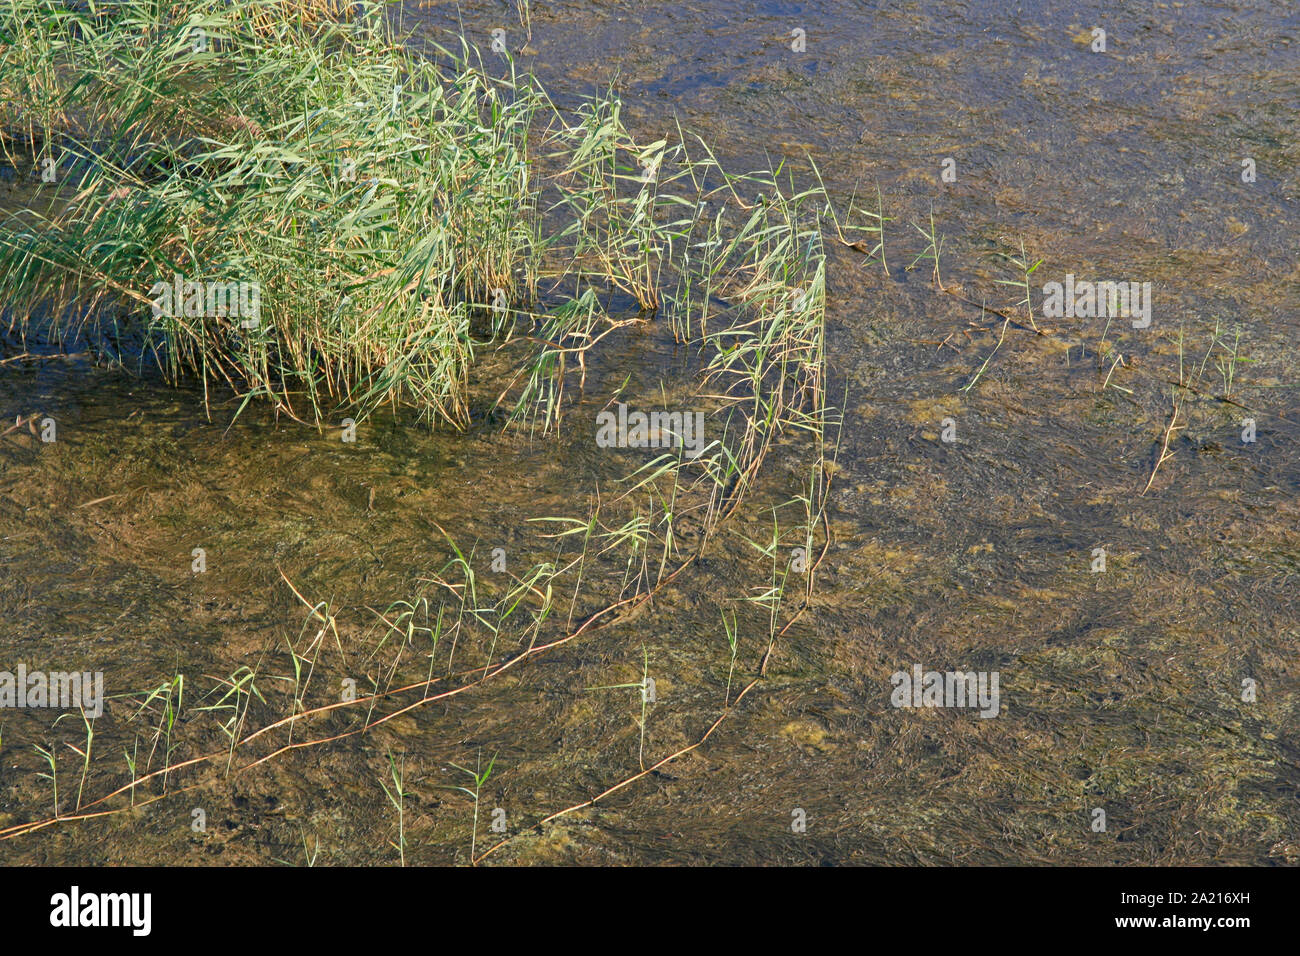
<point>1120,690</point>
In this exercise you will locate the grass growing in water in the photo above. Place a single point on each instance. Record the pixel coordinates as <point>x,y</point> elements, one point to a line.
<point>380,202</point>
<point>389,217</point>
<point>374,199</point>
<point>401,217</point>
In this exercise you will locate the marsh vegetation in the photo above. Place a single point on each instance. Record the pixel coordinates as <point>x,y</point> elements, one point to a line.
<point>365,587</point>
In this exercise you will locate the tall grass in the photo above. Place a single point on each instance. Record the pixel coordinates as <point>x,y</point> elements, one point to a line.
<point>380,201</point>
<point>396,213</point>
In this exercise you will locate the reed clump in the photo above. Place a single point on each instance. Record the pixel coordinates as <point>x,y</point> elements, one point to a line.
<point>288,201</point>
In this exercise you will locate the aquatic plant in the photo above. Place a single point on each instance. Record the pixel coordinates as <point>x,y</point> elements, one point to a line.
<point>396,220</point>
<point>397,797</point>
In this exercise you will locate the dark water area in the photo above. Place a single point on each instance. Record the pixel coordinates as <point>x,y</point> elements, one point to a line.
<point>1160,690</point>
